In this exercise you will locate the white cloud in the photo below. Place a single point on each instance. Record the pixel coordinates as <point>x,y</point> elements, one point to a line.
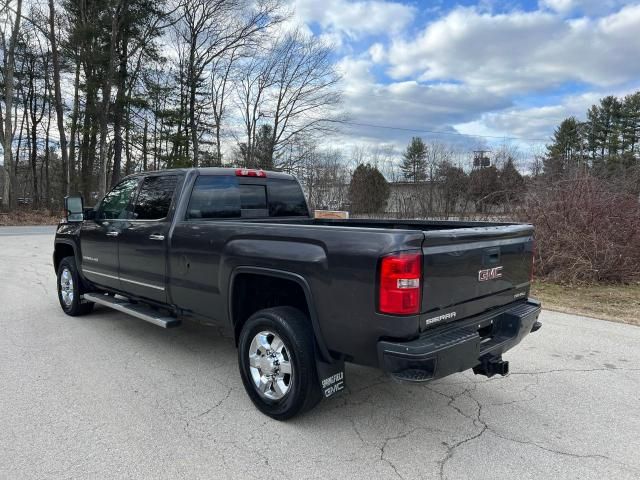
<point>522,51</point>
<point>534,125</point>
<point>587,7</point>
<point>377,52</point>
<point>410,105</point>
<point>355,18</point>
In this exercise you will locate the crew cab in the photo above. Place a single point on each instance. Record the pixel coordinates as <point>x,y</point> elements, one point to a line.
<point>300,296</point>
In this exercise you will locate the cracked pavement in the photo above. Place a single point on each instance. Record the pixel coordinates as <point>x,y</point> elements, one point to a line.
<point>109,396</point>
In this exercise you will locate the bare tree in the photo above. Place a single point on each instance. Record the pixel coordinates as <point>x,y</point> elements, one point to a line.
<point>55,60</point>
<point>115,13</point>
<point>13,18</point>
<point>221,71</point>
<point>304,92</point>
<point>255,80</point>
<point>208,30</point>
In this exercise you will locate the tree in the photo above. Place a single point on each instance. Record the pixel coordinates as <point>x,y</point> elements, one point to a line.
<point>565,152</point>
<point>9,49</point>
<point>511,183</point>
<point>207,30</point>
<point>484,187</point>
<point>368,190</point>
<point>454,183</point>
<point>304,92</point>
<point>256,78</point>
<point>221,71</point>
<point>55,61</point>
<point>264,147</point>
<point>414,161</point>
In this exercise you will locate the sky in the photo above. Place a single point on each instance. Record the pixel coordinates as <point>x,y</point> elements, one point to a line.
<point>483,72</point>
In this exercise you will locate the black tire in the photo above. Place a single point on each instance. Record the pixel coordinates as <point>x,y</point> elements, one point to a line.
<point>293,328</point>
<point>71,305</point>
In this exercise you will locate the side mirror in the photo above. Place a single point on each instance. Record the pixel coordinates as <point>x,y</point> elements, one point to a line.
<point>73,208</point>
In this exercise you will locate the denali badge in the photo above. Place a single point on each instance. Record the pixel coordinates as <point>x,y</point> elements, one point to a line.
<point>489,274</point>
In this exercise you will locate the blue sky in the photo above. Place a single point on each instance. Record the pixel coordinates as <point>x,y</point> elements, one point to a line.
<point>486,68</point>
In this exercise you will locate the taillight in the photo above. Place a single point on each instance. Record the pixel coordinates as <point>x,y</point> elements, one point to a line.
<point>400,283</point>
<point>248,172</point>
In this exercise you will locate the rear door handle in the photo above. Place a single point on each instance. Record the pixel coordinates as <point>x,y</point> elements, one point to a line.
<point>156,237</point>
<point>113,234</point>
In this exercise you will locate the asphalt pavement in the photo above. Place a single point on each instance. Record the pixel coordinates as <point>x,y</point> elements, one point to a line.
<point>107,396</point>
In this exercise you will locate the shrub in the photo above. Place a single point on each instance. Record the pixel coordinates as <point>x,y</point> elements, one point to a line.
<point>586,231</point>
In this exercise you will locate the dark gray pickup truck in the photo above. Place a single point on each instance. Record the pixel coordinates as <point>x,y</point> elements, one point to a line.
<point>301,296</point>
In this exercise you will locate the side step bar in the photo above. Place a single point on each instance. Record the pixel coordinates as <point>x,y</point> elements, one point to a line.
<point>137,310</point>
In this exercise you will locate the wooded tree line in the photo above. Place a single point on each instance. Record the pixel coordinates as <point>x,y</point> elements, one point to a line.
<point>430,181</point>
<point>606,144</point>
<point>93,90</point>
<point>586,202</point>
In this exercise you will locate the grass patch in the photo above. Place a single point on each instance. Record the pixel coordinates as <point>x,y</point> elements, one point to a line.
<point>619,303</point>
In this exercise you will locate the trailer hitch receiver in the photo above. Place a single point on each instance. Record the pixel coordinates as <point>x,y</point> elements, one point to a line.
<point>492,366</point>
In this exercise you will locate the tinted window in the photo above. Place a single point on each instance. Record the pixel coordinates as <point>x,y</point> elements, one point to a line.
<point>222,197</point>
<point>286,199</point>
<point>155,197</point>
<point>214,197</point>
<point>253,197</point>
<point>115,204</point>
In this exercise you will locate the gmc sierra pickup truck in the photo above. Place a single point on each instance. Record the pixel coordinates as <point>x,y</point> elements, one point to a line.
<point>300,296</point>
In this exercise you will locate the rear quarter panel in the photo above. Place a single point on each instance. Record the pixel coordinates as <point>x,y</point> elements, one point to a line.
<point>339,265</point>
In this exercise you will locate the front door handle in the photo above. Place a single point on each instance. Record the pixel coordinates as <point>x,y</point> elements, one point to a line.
<point>156,237</point>
<point>113,234</point>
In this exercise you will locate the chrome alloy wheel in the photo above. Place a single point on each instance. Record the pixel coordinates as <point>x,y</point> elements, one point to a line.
<point>270,365</point>
<point>66,287</point>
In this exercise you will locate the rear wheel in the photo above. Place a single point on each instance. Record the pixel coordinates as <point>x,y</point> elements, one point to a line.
<point>277,362</point>
<point>69,293</point>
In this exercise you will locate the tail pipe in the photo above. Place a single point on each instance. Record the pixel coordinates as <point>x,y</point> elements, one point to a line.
<point>492,366</point>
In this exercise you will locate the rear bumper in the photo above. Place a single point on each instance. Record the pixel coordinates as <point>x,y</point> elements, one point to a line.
<point>460,345</point>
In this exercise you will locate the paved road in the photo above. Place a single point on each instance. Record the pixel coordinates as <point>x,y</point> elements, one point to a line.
<point>107,396</point>
<point>27,230</point>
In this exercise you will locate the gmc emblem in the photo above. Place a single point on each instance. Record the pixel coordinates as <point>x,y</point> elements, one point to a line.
<point>489,274</point>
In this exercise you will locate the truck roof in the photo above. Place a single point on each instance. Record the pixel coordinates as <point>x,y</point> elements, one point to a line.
<point>215,171</point>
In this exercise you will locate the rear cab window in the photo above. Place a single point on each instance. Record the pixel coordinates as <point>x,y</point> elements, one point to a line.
<point>226,196</point>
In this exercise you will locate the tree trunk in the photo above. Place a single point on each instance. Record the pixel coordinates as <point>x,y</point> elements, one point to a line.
<point>193,85</point>
<point>127,143</point>
<point>47,179</point>
<point>33,150</point>
<point>118,114</point>
<point>71,166</point>
<point>66,166</point>
<point>9,193</point>
<point>144,145</point>
<point>106,103</point>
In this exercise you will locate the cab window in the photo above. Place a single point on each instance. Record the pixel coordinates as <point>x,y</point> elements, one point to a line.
<point>155,197</point>
<point>115,204</point>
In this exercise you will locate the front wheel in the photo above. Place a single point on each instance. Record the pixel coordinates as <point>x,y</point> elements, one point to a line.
<point>277,362</point>
<point>69,289</point>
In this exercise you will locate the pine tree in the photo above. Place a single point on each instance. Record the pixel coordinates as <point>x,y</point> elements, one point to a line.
<point>565,152</point>
<point>511,182</point>
<point>414,163</point>
<point>264,147</point>
<point>368,190</point>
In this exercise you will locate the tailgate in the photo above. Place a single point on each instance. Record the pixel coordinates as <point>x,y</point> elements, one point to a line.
<point>469,270</point>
